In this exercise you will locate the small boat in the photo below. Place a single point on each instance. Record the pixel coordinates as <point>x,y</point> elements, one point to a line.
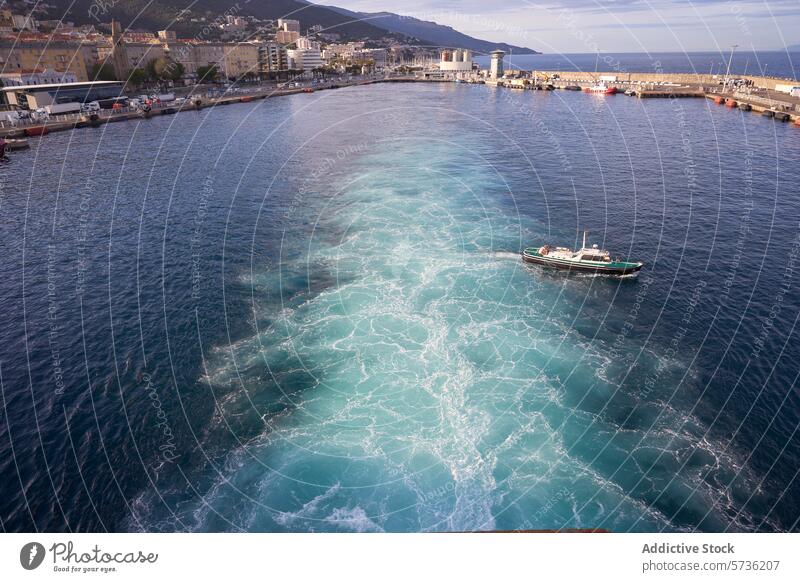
<point>768,113</point>
<point>745,106</point>
<point>731,103</point>
<point>630,92</point>
<point>586,259</point>
<point>781,116</point>
<point>246,99</point>
<point>719,100</point>
<point>17,144</point>
<point>601,88</point>
<point>572,88</point>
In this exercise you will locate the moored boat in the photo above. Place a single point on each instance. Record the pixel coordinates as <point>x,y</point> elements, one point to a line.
<point>586,259</point>
<point>601,88</point>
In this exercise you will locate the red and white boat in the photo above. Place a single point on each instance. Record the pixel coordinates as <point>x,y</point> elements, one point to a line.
<point>600,88</point>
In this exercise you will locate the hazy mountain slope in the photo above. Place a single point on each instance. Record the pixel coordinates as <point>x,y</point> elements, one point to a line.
<point>438,34</point>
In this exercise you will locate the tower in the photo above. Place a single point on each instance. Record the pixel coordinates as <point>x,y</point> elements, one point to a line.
<point>119,57</point>
<point>496,70</point>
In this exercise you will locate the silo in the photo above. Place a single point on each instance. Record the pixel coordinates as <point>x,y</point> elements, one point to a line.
<point>466,56</point>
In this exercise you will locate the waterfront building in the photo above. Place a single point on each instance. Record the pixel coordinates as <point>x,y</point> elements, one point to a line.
<point>304,59</point>
<point>183,53</point>
<point>137,55</point>
<point>273,59</point>
<point>208,54</point>
<point>168,35</point>
<point>36,96</point>
<point>21,77</point>
<point>59,56</point>
<point>496,69</point>
<point>241,60</point>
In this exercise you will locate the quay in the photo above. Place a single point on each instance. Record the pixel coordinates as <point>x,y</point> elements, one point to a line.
<point>194,102</point>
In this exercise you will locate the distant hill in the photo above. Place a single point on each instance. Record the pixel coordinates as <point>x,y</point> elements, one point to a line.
<point>437,34</point>
<point>155,15</point>
<point>793,48</point>
<point>160,14</point>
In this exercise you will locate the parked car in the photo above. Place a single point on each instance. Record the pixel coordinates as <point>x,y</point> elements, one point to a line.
<point>91,107</point>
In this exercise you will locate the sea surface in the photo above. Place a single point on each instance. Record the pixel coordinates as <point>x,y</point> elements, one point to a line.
<point>309,313</point>
<point>781,64</point>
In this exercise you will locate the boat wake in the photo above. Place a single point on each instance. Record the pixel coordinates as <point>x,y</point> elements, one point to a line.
<point>434,389</point>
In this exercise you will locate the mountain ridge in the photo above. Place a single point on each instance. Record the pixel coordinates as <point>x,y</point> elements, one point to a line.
<point>153,15</point>
<point>439,34</point>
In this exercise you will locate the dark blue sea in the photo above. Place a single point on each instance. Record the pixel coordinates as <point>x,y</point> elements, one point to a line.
<point>781,64</point>
<point>309,313</point>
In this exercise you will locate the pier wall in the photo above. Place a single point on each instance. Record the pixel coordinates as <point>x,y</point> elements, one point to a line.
<point>681,78</point>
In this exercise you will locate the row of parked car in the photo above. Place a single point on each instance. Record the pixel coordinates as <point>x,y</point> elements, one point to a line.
<point>93,107</point>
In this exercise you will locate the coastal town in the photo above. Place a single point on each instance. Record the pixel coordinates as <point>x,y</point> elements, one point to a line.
<point>57,75</point>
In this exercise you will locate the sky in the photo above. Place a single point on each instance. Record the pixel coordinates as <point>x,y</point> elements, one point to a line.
<point>580,26</point>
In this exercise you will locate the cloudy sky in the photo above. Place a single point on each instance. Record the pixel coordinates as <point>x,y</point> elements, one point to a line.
<point>610,25</point>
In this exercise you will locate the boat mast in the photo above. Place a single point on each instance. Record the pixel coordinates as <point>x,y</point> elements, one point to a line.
<point>584,240</point>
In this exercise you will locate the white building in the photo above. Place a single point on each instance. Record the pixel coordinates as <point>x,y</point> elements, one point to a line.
<point>307,44</point>
<point>37,77</point>
<point>455,61</point>
<point>304,59</point>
